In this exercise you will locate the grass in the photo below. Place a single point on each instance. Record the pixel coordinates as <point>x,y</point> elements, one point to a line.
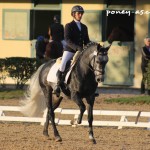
<point>15,94</point>
<point>10,94</point>
<point>145,99</point>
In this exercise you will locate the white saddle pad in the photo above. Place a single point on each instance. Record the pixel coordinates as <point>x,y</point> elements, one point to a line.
<point>51,77</point>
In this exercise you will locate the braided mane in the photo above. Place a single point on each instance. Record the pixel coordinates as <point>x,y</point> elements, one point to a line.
<point>89,48</point>
<point>91,43</point>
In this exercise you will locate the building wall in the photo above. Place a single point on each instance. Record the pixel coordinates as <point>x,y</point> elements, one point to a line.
<point>66,8</point>
<point>12,48</point>
<point>141,30</point>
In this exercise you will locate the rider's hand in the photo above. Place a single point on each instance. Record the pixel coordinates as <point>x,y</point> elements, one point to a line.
<point>104,48</point>
<point>79,49</point>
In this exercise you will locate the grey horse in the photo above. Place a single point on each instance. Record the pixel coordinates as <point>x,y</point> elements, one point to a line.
<point>84,78</point>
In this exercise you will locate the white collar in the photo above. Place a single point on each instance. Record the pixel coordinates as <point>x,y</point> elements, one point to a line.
<point>78,22</point>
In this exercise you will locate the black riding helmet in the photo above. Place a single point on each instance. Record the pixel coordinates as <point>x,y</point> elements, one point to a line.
<point>56,18</point>
<point>77,8</point>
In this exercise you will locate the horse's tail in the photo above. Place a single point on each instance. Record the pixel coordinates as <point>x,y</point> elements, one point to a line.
<point>33,104</point>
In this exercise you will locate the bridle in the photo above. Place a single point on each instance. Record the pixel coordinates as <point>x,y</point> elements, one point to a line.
<point>93,64</point>
<point>91,67</point>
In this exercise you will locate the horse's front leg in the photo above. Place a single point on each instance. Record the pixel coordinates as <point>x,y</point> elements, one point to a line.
<point>90,101</point>
<point>78,100</point>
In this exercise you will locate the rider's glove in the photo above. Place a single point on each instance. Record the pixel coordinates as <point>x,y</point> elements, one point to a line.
<point>79,49</point>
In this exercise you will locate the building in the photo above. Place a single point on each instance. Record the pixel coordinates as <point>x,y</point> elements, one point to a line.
<point>22,21</point>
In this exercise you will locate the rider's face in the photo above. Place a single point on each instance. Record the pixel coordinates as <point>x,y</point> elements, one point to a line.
<point>147,42</point>
<point>78,16</point>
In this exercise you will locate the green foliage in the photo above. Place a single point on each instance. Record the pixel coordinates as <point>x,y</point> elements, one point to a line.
<point>147,76</point>
<point>130,100</point>
<point>11,94</point>
<point>21,69</point>
<point>3,73</point>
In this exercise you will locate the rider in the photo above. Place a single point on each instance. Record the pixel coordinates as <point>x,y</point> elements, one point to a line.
<point>144,63</point>
<point>56,30</point>
<point>76,36</point>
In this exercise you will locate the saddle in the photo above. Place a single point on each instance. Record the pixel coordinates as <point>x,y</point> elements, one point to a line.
<point>51,77</point>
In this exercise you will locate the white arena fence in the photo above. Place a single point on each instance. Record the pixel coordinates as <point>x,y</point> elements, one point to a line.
<point>122,121</point>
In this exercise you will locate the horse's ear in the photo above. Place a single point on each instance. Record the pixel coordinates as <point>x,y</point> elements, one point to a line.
<point>98,47</point>
<point>102,49</point>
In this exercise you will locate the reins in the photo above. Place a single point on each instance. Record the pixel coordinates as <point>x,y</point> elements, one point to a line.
<point>92,67</point>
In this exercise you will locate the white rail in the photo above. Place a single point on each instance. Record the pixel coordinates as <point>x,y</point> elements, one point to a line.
<point>122,122</point>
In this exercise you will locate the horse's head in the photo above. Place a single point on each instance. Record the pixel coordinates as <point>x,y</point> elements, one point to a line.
<point>99,62</point>
<point>120,34</point>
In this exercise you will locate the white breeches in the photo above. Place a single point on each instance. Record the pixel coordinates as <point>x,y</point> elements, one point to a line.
<point>64,43</point>
<point>65,58</point>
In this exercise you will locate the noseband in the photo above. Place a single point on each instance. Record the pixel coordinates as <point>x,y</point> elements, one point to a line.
<point>92,68</point>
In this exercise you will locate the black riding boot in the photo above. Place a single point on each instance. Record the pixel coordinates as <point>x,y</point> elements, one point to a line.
<point>142,87</point>
<point>148,92</point>
<point>59,80</point>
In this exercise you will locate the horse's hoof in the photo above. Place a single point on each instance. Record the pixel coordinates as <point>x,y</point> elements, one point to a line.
<point>93,141</point>
<point>45,134</point>
<point>79,121</point>
<point>58,139</point>
<point>72,122</point>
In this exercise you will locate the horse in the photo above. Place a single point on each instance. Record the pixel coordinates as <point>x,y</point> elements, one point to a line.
<point>119,33</point>
<point>54,49</point>
<point>86,73</point>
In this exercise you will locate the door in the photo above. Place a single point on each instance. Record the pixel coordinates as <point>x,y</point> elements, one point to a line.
<point>40,21</point>
<point>120,68</point>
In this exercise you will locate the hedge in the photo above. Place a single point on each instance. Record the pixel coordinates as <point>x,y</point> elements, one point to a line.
<point>147,76</point>
<point>20,69</point>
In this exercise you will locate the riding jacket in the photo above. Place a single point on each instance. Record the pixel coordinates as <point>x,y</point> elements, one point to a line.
<point>75,38</point>
<point>145,58</point>
<point>57,31</point>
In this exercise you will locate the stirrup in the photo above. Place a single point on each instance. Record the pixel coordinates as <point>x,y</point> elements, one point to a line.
<point>96,94</point>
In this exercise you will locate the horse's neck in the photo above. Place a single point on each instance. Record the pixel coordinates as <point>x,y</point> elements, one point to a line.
<point>84,63</point>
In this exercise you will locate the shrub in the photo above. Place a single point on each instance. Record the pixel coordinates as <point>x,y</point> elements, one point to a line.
<point>147,76</point>
<point>3,73</point>
<point>21,69</point>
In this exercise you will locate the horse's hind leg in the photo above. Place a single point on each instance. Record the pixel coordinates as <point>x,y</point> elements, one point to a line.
<point>50,115</point>
<point>45,131</point>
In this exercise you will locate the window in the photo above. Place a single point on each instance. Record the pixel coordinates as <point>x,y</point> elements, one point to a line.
<point>122,4</point>
<point>40,21</point>
<point>118,16</point>
<point>16,24</point>
<point>37,2</point>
